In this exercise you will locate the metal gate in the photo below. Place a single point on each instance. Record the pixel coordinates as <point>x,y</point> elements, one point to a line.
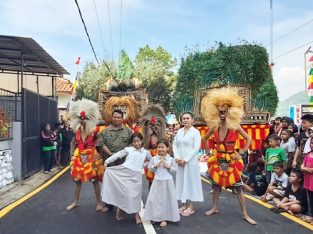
<point>37,110</point>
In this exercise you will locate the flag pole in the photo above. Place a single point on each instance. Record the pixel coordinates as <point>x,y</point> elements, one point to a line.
<point>75,83</point>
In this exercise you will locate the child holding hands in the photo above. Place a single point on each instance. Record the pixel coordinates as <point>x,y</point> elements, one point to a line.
<point>161,205</point>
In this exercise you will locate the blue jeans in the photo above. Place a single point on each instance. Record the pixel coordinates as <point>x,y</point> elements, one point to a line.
<point>48,160</point>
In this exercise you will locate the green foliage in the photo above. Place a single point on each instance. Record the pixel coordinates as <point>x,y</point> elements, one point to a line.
<point>125,67</point>
<point>152,64</point>
<point>92,79</point>
<point>153,67</point>
<point>226,65</point>
<point>266,98</point>
<point>159,93</point>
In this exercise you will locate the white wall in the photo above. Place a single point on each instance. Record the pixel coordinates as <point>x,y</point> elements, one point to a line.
<point>15,145</point>
<point>6,168</point>
<point>9,82</point>
<point>63,100</point>
<point>17,150</point>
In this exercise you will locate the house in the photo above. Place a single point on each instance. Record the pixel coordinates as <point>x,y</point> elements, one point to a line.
<point>64,90</point>
<point>28,77</point>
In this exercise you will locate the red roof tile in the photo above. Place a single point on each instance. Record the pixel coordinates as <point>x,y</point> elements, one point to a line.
<point>63,86</point>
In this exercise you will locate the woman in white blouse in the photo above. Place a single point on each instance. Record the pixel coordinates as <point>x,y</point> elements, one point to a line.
<point>188,182</point>
<point>122,184</point>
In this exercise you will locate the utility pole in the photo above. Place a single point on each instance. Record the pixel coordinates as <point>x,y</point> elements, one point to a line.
<point>305,70</point>
<point>271,31</point>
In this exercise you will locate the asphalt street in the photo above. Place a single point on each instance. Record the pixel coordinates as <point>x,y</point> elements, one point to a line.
<point>45,213</point>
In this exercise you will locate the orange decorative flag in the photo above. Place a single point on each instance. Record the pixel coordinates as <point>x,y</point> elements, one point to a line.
<point>77,61</point>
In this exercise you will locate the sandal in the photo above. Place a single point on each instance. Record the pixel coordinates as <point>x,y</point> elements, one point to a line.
<point>187,212</point>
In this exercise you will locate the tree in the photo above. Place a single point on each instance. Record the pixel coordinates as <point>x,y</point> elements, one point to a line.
<point>153,67</point>
<point>151,64</point>
<point>159,93</point>
<point>125,67</point>
<point>226,65</point>
<point>93,78</point>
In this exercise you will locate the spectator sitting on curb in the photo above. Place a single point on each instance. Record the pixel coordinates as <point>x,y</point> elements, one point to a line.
<point>294,200</point>
<point>278,184</point>
<point>256,182</point>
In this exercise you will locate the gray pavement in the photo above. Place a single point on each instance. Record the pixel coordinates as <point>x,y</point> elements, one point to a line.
<point>17,190</point>
<point>45,213</point>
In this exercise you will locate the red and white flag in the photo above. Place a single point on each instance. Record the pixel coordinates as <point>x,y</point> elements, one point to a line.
<point>77,61</point>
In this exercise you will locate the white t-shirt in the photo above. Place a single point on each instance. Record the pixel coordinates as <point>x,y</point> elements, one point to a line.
<point>287,147</point>
<point>281,181</point>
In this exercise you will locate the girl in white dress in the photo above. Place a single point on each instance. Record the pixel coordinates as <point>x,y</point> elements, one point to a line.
<point>161,205</point>
<point>186,146</point>
<point>122,185</point>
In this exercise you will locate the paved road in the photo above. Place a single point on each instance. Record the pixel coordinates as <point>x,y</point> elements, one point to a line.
<point>45,213</point>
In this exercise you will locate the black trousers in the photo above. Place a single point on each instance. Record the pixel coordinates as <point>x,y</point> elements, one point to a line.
<point>48,157</point>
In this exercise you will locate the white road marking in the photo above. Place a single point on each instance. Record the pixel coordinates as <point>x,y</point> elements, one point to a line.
<point>146,223</point>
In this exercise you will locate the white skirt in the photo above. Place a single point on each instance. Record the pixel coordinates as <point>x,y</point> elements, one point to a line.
<point>122,187</point>
<point>162,204</point>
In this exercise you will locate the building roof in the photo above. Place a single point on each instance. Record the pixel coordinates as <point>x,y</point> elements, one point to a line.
<point>36,59</point>
<point>63,86</point>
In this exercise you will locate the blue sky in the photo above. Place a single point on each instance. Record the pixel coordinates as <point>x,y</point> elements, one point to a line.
<point>174,25</point>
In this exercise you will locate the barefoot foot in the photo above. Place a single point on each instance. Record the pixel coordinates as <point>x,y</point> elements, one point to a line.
<point>211,212</point>
<point>119,214</point>
<point>290,212</point>
<point>137,218</point>
<point>101,208</point>
<point>72,206</point>
<point>163,224</point>
<point>182,208</point>
<point>249,220</point>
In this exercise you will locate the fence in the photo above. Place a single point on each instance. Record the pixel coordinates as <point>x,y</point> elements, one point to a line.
<point>10,110</point>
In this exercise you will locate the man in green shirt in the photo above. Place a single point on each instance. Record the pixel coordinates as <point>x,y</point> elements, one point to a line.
<point>114,138</point>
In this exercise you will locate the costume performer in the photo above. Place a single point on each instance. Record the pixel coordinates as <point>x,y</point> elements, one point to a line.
<point>153,128</point>
<point>222,109</point>
<point>86,164</point>
<point>127,104</point>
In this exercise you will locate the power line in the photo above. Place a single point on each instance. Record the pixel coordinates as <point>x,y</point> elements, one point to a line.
<point>109,14</point>
<point>294,30</point>
<point>99,26</point>
<point>59,17</point>
<point>107,67</point>
<point>81,17</point>
<point>288,52</point>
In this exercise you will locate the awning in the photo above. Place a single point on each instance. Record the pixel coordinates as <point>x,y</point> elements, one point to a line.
<point>17,50</point>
